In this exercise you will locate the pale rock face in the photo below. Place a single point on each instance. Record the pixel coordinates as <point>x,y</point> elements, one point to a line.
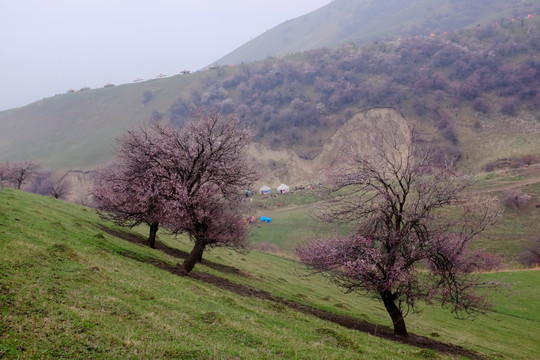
<point>285,166</point>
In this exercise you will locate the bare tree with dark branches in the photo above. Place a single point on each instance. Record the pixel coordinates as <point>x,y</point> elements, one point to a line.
<point>412,227</point>
<point>22,172</point>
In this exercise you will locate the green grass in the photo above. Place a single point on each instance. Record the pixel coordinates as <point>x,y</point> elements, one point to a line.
<point>294,219</point>
<point>70,290</point>
<point>89,122</point>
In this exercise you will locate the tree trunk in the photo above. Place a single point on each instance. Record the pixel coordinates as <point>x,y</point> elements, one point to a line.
<point>395,313</point>
<point>152,237</point>
<point>194,256</point>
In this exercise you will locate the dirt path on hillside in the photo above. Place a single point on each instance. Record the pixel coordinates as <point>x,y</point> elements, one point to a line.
<point>345,321</point>
<point>510,185</point>
<point>248,291</point>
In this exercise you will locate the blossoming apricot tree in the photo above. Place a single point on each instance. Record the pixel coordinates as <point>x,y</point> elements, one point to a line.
<point>410,240</point>
<point>188,180</point>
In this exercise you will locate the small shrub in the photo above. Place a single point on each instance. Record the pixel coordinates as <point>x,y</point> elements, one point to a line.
<point>209,317</point>
<point>338,339</point>
<point>509,107</point>
<point>530,254</point>
<point>515,198</point>
<point>266,247</point>
<point>480,105</point>
<point>147,96</point>
<point>427,354</point>
<point>528,160</point>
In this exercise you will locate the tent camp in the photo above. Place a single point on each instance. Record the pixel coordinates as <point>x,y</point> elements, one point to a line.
<point>264,190</point>
<point>282,189</point>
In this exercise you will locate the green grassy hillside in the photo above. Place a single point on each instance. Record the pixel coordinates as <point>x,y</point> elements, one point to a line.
<point>79,129</point>
<point>70,289</point>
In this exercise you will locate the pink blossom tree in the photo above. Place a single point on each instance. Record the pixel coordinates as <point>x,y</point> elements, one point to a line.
<point>4,173</point>
<point>409,241</point>
<point>60,187</point>
<point>206,167</point>
<point>47,183</point>
<point>20,172</point>
<point>128,191</point>
<point>188,180</point>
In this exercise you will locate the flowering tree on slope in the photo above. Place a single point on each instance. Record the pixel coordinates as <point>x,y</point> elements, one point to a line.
<point>405,247</point>
<point>18,173</point>
<point>188,180</point>
<point>128,191</point>
<point>208,169</point>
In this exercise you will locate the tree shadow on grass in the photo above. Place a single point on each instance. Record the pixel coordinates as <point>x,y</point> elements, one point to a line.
<point>248,291</point>
<point>179,254</point>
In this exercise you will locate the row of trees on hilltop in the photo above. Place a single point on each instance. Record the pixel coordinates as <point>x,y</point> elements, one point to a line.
<point>492,69</point>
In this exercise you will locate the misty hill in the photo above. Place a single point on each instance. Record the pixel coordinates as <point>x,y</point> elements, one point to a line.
<point>357,21</point>
<point>472,93</point>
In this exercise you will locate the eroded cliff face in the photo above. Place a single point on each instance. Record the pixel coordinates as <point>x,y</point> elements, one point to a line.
<point>79,185</point>
<point>285,166</point>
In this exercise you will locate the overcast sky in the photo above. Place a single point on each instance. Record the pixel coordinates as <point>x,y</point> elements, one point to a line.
<point>49,47</point>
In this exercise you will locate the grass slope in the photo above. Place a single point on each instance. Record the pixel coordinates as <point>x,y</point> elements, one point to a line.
<point>79,129</point>
<point>69,289</point>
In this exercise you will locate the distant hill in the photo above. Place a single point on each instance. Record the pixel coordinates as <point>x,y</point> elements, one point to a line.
<point>355,21</point>
<point>473,94</point>
<point>79,129</point>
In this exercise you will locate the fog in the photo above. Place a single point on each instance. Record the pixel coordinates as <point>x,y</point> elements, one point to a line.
<point>49,47</point>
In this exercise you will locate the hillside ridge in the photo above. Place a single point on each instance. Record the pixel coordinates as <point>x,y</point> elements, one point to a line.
<point>357,21</point>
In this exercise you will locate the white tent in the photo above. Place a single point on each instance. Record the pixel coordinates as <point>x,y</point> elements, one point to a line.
<point>282,189</point>
<point>264,190</point>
